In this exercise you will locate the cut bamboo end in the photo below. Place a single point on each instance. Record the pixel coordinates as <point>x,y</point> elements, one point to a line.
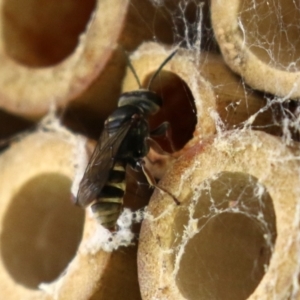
<point>56,53</point>
<point>235,233</point>
<point>258,42</point>
<point>32,78</point>
<point>49,250</point>
<point>192,87</point>
<point>184,92</point>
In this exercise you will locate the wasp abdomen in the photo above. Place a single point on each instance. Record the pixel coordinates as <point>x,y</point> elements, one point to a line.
<point>108,205</point>
<point>107,213</point>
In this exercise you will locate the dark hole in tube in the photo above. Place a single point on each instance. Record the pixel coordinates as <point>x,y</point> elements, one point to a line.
<point>178,109</point>
<point>41,231</point>
<point>228,256</point>
<point>41,33</point>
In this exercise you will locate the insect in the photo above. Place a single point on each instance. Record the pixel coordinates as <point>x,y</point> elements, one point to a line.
<point>122,142</point>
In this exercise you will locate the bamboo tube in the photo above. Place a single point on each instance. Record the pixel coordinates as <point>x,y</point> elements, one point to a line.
<point>235,234</point>
<point>48,248</point>
<point>183,90</point>
<point>260,42</point>
<point>56,53</point>
<point>192,86</point>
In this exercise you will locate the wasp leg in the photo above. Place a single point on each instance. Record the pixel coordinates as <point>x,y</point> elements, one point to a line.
<point>161,129</point>
<point>164,129</point>
<point>157,161</point>
<point>155,146</point>
<point>152,182</point>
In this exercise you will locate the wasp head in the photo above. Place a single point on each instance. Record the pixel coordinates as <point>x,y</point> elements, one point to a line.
<point>148,101</point>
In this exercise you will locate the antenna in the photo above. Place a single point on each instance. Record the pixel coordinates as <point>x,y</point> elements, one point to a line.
<point>160,67</point>
<point>154,75</point>
<point>132,69</point>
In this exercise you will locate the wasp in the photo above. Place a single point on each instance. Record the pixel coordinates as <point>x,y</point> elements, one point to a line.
<point>122,142</point>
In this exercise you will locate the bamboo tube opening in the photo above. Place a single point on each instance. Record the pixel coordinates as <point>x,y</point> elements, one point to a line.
<point>271,29</point>
<point>41,230</point>
<point>259,41</point>
<point>228,256</point>
<point>40,34</point>
<point>178,108</point>
<point>235,230</point>
<point>46,252</point>
<point>187,97</point>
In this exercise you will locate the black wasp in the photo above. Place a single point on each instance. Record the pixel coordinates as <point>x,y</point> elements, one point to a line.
<point>123,142</point>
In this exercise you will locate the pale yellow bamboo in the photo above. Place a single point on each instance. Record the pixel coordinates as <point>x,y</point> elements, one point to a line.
<point>55,53</point>
<point>213,88</point>
<point>49,249</point>
<point>179,76</point>
<point>237,192</point>
<point>259,41</point>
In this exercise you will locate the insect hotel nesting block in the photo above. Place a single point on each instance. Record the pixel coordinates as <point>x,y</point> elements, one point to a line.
<point>234,234</point>
<point>49,248</point>
<point>259,41</point>
<point>238,212</point>
<point>46,59</point>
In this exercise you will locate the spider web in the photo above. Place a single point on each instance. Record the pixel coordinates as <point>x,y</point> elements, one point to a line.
<point>228,231</point>
<point>224,236</point>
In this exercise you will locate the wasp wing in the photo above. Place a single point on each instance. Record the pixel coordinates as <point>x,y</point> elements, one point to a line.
<point>100,164</point>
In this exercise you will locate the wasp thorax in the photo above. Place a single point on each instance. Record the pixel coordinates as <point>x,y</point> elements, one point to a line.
<point>120,116</point>
<point>149,101</point>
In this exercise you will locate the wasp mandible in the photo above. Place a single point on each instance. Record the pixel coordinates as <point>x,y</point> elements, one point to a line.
<point>122,142</point>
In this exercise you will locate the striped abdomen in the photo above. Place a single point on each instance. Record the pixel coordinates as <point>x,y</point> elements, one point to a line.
<point>108,205</point>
